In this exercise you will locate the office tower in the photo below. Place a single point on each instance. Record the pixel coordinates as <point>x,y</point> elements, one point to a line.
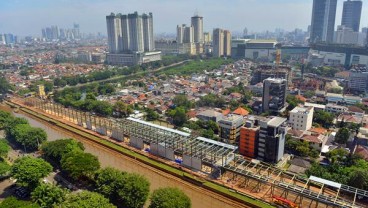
<point>76,31</point>
<point>351,14</point>
<point>221,42</point>
<point>130,38</point>
<point>274,95</point>
<point>9,38</point>
<point>271,141</point>
<point>2,39</point>
<point>323,21</point>
<point>197,23</point>
<point>54,32</point>
<point>44,33</point>
<point>227,43</point>
<point>218,42</point>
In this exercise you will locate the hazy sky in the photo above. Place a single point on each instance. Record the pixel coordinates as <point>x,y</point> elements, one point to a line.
<point>27,17</point>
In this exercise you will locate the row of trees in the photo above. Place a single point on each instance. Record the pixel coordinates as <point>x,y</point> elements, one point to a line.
<point>20,132</point>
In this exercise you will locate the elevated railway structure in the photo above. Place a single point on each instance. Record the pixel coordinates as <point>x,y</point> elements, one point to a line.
<point>216,160</point>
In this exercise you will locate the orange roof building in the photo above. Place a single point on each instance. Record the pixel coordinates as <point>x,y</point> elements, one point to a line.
<point>241,111</point>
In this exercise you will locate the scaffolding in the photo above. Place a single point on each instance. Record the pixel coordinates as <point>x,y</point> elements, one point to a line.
<point>219,159</point>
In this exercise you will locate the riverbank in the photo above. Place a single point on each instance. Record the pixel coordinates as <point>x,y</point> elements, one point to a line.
<point>183,175</point>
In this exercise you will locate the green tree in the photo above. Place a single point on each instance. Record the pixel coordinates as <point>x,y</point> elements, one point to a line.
<point>4,148</point>
<point>5,119</point>
<point>106,182</point>
<point>178,116</point>
<point>359,179</point>
<point>29,136</point>
<point>12,202</point>
<point>28,171</point>
<point>122,109</point>
<point>4,85</point>
<point>169,198</point>
<point>48,195</point>
<point>342,136</point>
<point>151,115</point>
<point>79,164</point>
<point>309,94</point>
<point>55,150</point>
<point>323,118</point>
<point>182,101</point>
<point>4,168</point>
<point>86,199</point>
<point>133,190</point>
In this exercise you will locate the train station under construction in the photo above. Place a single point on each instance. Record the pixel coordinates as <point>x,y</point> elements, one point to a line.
<point>219,161</point>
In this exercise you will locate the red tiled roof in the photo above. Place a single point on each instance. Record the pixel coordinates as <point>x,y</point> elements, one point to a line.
<point>241,111</point>
<point>226,112</point>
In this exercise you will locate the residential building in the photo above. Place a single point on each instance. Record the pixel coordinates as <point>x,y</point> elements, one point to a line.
<point>362,136</point>
<point>221,43</point>
<point>351,14</point>
<point>227,43</point>
<point>184,34</point>
<point>274,95</point>
<point>130,39</point>
<point>323,20</point>
<point>301,118</point>
<point>333,108</point>
<point>358,79</point>
<point>334,98</point>
<point>229,128</point>
<point>271,140</point>
<point>248,141</point>
<point>218,42</point>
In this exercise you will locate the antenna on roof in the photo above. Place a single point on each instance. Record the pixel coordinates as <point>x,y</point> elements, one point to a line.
<point>196,13</point>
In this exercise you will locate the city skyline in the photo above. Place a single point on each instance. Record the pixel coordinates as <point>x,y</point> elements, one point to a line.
<point>253,14</point>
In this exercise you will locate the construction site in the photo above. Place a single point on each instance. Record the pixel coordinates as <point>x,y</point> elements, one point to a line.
<point>209,159</point>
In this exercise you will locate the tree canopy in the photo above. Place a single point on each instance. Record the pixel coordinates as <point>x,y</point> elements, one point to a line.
<point>169,198</point>
<point>48,195</point>
<point>86,199</point>
<point>55,150</point>
<point>12,202</point>
<point>323,118</point>
<point>28,171</point>
<point>133,190</point>
<point>178,115</point>
<point>29,136</point>
<point>4,148</point>
<point>106,182</point>
<point>80,164</point>
<point>342,136</point>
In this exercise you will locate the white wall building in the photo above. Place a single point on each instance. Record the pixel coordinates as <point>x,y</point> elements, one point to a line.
<point>301,118</point>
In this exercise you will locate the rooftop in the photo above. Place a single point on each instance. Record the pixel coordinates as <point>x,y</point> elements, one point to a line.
<point>276,121</point>
<point>301,110</point>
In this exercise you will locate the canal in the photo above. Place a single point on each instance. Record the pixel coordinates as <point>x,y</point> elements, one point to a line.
<point>200,197</point>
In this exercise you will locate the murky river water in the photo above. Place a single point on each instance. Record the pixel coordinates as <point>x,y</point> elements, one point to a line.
<point>200,198</point>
